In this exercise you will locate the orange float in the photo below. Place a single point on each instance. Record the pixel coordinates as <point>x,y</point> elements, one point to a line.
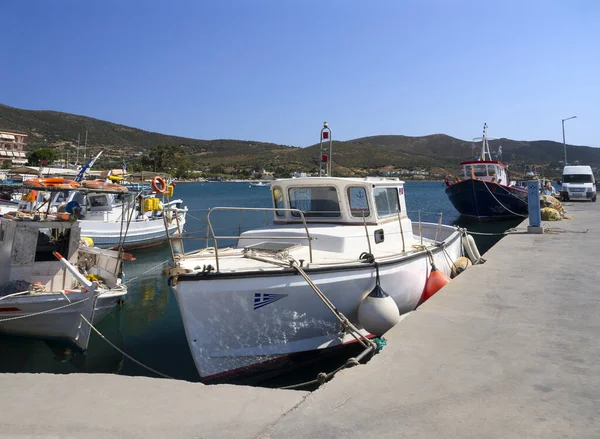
<point>436,281</point>
<point>51,182</point>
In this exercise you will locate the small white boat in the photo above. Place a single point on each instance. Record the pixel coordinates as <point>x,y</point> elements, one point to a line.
<point>248,306</point>
<point>51,283</point>
<point>260,184</point>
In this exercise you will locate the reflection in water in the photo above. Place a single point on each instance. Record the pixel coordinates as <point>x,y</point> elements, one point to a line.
<point>145,304</point>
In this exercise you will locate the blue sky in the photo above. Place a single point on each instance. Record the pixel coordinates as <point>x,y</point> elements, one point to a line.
<point>274,70</point>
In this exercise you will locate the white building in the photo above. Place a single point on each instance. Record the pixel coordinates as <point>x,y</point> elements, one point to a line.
<point>11,148</point>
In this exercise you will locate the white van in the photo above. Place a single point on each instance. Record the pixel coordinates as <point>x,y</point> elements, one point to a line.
<point>578,183</point>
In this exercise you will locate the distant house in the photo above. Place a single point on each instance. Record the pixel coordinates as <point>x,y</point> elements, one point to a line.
<point>11,148</point>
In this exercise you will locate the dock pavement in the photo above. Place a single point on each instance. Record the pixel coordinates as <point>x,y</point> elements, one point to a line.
<point>509,349</point>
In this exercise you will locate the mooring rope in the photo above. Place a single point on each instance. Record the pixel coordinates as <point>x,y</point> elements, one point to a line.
<point>139,363</point>
<point>500,203</point>
<point>147,271</point>
<point>45,311</point>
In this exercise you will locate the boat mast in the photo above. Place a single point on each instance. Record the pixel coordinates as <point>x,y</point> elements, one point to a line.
<point>325,160</point>
<point>485,147</point>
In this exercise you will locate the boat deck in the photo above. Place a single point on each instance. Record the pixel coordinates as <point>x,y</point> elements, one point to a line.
<point>507,350</point>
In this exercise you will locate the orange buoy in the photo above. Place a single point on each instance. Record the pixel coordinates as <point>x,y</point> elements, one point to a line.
<point>158,185</point>
<point>436,280</point>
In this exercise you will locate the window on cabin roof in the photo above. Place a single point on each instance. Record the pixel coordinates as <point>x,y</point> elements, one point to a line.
<point>359,205</point>
<point>386,201</point>
<point>315,202</point>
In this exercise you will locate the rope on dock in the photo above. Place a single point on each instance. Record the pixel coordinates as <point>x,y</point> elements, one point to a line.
<point>139,363</point>
<point>323,377</point>
<point>33,314</point>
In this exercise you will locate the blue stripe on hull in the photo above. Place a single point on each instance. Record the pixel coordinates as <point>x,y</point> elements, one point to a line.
<point>130,241</point>
<point>473,199</point>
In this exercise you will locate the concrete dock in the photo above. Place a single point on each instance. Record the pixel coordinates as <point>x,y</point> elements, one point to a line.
<point>509,349</point>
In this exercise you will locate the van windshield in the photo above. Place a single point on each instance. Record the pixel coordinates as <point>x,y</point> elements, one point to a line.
<point>577,178</point>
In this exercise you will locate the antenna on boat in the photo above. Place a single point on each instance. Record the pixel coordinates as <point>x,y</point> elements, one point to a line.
<point>485,147</point>
<point>325,161</point>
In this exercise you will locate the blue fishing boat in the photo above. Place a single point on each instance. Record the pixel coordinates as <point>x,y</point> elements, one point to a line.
<point>484,192</point>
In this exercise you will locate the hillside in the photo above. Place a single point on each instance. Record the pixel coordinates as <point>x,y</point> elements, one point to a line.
<point>53,128</point>
<point>384,152</point>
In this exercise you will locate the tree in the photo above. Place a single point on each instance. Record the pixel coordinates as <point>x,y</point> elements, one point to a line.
<point>39,155</point>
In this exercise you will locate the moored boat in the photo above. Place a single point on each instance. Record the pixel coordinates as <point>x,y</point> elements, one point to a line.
<point>261,301</point>
<point>51,284</point>
<point>109,214</point>
<point>484,191</point>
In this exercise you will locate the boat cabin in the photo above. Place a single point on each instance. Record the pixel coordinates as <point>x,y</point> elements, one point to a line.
<point>491,171</point>
<point>333,200</point>
<point>27,248</point>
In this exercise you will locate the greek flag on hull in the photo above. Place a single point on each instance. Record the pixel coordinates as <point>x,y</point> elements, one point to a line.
<point>264,299</point>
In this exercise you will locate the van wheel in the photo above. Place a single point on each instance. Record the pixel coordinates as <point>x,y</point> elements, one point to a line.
<point>594,198</point>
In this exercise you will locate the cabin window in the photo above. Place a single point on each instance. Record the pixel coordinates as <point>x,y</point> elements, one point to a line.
<point>278,201</point>
<point>359,205</point>
<point>316,202</point>
<point>480,170</point>
<point>49,241</point>
<point>100,201</point>
<point>386,201</point>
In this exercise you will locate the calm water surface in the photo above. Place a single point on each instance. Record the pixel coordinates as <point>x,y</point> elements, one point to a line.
<point>149,327</point>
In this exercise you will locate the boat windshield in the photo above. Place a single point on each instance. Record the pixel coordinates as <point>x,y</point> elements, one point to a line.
<point>317,201</point>
<point>480,170</point>
<point>577,178</point>
<point>386,201</point>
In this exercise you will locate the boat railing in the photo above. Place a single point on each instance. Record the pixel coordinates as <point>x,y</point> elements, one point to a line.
<point>210,230</point>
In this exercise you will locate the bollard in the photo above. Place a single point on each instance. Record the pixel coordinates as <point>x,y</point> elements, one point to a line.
<point>535,213</point>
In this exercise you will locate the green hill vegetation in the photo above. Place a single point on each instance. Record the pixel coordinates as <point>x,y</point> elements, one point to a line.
<point>437,154</point>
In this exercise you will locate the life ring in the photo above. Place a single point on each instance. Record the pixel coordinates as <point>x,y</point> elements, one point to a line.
<point>33,182</point>
<point>93,184</point>
<point>53,180</point>
<point>159,185</point>
<point>68,184</point>
<point>115,187</point>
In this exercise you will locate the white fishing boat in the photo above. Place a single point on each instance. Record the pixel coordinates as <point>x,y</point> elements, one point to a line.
<point>114,217</point>
<point>51,284</point>
<point>280,291</point>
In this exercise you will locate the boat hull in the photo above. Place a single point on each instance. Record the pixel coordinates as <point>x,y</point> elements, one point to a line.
<point>236,322</point>
<point>106,302</point>
<point>45,321</point>
<point>140,234</point>
<point>487,200</point>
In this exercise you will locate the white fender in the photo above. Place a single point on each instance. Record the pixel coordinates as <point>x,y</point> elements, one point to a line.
<point>471,248</point>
